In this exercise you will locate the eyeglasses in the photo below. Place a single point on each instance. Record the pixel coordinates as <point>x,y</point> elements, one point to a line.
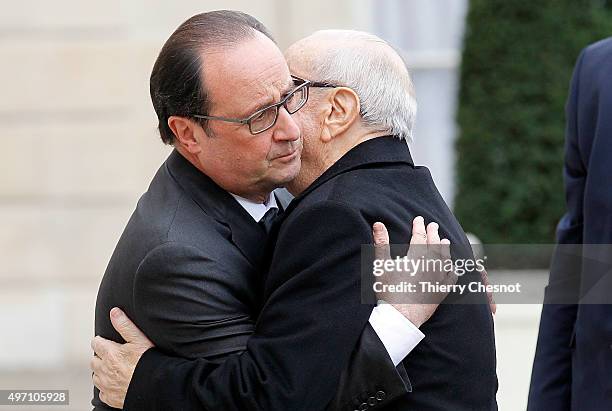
<point>321,84</point>
<point>265,118</point>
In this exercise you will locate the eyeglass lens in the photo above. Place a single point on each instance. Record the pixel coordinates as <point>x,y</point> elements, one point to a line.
<point>266,118</point>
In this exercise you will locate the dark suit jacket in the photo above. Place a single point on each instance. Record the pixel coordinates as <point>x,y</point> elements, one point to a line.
<point>453,368</point>
<point>188,271</point>
<point>573,362</point>
<point>312,303</point>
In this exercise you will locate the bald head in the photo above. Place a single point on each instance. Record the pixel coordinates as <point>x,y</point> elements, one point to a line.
<point>323,46</point>
<point>366,64</point>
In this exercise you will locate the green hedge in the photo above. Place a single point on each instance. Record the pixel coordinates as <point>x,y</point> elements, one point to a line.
<point>517,62</point>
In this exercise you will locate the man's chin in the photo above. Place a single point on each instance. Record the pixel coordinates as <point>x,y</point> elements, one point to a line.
<point>287,175</point>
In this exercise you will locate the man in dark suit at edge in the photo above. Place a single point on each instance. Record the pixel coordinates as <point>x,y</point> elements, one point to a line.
<point>571,368</point>
<point>187,267</point>
<point>356,170</point>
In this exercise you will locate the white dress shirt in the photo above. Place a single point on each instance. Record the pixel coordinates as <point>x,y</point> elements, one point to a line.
<point>397,333</point>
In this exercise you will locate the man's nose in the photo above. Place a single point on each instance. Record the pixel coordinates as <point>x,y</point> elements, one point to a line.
<point>286,128</point>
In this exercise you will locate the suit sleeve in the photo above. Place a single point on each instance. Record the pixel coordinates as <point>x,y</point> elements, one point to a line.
<point>552,368</point>
<point>181,302</point>
<point>309,325</point>
<point>371,379</point>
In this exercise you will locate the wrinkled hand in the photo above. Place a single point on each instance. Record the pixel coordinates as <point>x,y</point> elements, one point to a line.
<point>425,244</point>
<point>113,364</point>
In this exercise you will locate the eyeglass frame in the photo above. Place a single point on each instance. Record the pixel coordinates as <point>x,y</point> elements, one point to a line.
<point>322,84</point>
<point>305,84</point>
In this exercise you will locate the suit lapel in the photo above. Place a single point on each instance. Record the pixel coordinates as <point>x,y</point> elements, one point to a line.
<point>214,201</point>
<point>247,234</point>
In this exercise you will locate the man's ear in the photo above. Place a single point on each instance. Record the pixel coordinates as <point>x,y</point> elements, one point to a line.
<point>344,111</point>
<point>186,132</point>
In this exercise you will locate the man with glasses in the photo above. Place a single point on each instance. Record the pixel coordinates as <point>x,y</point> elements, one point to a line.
<point>189,267</point>
<point>265,118</point>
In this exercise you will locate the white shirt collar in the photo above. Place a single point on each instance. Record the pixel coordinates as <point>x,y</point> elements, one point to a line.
<point>256,210</point>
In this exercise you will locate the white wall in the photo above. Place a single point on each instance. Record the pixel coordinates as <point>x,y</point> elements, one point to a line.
<point>429,35</point>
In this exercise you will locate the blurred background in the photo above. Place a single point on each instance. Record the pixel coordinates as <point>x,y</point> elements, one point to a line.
<point>80,144</point>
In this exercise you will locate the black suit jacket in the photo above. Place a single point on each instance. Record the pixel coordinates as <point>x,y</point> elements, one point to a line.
<point>312,313</point>
<point>188,271</point>
<point>453,368</point>
<point>573,361</point>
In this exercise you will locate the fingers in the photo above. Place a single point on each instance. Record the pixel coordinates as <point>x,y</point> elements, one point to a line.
<point>101,346</point>
<point>432,234</point>
<point>96,381</point>
<point>445,248</point>
<point>434,248</point>
<point>126,328</point>
<point>98,348</point>
<point>381,235</point>
<point>102,396</point>
<point>95,364</point>
<point>445,254</point>
<point>381,241</point>
<point>419,235</point>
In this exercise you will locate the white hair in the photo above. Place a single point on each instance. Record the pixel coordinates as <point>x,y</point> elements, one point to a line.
<point>374,70</point>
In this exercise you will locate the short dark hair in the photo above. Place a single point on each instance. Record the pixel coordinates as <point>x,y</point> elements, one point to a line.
<point>176,86</point>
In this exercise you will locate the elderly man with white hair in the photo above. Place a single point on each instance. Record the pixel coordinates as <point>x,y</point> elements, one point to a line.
<point>356,170</point>
<point>356,162</point>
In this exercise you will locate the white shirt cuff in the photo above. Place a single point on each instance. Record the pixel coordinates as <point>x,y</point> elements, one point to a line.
<point>397,333</point>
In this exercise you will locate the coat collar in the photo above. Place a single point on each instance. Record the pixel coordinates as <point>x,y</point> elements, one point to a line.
<point>214,201</point>
<point>379,150</point>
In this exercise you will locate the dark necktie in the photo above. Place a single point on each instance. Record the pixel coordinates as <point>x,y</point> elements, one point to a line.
<point>268,218</point>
